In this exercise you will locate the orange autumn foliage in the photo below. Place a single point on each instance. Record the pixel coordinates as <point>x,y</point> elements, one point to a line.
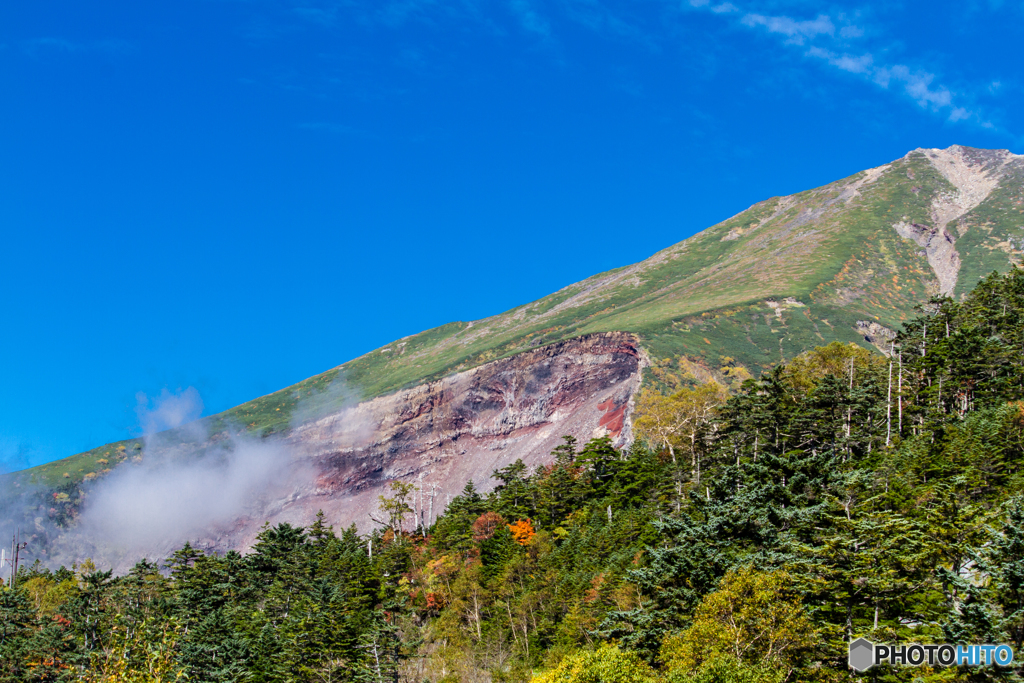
<point>435,601</point>
<point>522,531</point>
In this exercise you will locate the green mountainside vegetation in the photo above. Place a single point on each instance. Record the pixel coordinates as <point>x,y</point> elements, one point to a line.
<point>744,538</point>
<point>774,281</point>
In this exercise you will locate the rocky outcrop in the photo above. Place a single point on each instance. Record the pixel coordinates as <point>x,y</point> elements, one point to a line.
<point>939,248</point>
<point>973,173</point>
<point>877,334</point>
<point>444,434</point>
<point>799,256</point>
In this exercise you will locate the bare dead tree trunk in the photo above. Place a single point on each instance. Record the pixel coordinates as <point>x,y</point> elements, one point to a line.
<point>418,512</point>
<point>899,395</point>
<point>430,514</point>
<point>888,402</point>
<point>849,408</point>
<point>376,661</point>
<point>476,615</point>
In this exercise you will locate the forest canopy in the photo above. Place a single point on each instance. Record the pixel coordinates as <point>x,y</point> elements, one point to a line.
<point>744,537</point>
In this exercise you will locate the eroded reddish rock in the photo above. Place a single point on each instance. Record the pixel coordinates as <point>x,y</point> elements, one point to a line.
<point>613,418</point>
<point>443,434</point>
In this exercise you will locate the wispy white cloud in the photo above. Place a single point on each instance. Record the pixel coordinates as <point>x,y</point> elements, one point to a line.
<point>796,30</point>
<point>167,411</point>
<point>860,64</point>
<point>721,8</point>
<point>918,84</point>
<point>14,455</point>
<point>724,8</point>
<point>828,39</point>
<point>835,39</point>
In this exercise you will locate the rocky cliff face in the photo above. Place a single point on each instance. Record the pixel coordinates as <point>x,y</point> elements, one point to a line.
<point>850,261</point>
<point>444,434</point>
<point>973,175</point>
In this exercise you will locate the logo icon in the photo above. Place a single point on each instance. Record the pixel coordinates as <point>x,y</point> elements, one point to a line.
<point>862,654</point>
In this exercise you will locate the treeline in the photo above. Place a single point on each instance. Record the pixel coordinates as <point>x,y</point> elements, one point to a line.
<point>744,538</point>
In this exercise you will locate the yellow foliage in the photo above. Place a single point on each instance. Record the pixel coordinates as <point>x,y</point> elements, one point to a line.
<point>46,594</point>
<point>836,358</point>
<point>392,510</point>
<point>752,618</point>
<point>607,664</point>
<point>58,595</point>
<point>438,575</point>
<point>87,567</point>
<point>132,659</point>
<point>37,588</point>
<point>677,422</point>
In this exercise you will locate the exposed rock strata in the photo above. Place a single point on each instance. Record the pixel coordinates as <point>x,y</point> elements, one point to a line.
<point>443,434</point>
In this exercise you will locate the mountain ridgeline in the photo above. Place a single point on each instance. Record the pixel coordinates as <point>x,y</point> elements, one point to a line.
<point>740,539</point>
<point>801,426</point>
<point>847,262</point>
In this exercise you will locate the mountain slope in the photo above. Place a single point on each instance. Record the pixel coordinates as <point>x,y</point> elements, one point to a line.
<point>847,261</point>
<point>836,249</point>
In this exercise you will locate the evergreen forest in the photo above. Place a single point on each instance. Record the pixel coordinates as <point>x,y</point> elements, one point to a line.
<point>744,537</point>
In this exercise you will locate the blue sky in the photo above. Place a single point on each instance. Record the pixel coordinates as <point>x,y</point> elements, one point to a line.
<point>233,195</point>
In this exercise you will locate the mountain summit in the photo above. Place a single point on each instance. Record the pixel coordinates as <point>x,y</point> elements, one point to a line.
<point>835,262</point>
<point>849,261</point>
